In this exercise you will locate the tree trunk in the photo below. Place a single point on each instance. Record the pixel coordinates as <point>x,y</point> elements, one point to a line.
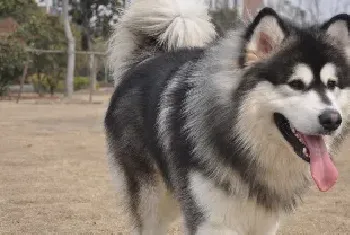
<point>23,78</point>
<point>71,56</point>
<point>92,75</point>
<point>86,34</point>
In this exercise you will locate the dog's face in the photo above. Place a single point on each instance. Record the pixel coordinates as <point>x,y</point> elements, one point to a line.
<point>303,80</point>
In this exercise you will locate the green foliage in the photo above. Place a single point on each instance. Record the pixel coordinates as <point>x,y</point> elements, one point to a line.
<point>12,59</point>
<point>43,31</point>
<point>21,10</point>
<point>44,83</point>
<point>38,30</point>
<point>78,82</point>
<point>81,83</point>
<point>47,33</point>
<point>40,83</point>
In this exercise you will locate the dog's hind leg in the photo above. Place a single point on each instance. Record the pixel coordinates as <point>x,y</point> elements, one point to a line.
<point>157,209</point>
<point>148,206</point>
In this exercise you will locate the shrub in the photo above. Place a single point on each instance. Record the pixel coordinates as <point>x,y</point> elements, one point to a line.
<point>43,83</point>
<point>81,83</point>
<point>78,83</point>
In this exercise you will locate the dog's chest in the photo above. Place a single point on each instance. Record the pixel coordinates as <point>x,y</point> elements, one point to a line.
<point>242,216</point>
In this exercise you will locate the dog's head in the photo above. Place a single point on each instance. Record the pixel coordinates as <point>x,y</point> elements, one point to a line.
<point>301,80</point>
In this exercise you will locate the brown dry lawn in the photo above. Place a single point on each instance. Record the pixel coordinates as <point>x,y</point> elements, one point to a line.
<point>54,177</point>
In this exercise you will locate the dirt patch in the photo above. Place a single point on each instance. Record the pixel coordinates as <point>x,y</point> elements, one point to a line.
<point>54,176</point>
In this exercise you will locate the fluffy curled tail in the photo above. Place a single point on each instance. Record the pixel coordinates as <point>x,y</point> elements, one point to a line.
<point>151,26</point>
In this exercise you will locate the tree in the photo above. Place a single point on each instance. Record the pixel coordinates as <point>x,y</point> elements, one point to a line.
<point>12,59</point>
<point>95,17</point>
<point>71,55</point>
<point>38,30</point>
<point>45,32</point>
<point>21,10</point>
<point>12,54</point>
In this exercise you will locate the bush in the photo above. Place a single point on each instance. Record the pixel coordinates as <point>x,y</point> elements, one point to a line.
<point>78,83</point>
<point>12,58</point>
<point>81,83</point>
<point>43,83</point>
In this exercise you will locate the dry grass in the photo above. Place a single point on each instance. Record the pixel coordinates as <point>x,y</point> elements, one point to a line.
<point>54,176</point>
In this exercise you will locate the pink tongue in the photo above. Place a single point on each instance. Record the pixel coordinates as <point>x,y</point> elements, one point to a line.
<point>323,170</point>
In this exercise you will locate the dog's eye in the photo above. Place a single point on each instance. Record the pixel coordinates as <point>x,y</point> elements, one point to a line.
<point>331,84</point>
<point>297,84</point>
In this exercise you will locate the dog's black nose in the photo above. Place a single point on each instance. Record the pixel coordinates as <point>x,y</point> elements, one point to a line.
<point>330,119</point>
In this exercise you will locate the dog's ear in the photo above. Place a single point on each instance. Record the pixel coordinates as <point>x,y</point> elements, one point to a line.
<point>337,28</point>
<point>262,37</point>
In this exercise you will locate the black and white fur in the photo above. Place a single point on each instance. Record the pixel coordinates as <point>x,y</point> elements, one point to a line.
<point>190,127</point>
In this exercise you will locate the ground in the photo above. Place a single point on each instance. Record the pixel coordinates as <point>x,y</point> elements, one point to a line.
<point>54,175</point>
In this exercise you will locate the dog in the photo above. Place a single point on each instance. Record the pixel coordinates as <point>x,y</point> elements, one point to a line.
<point>226,133</point>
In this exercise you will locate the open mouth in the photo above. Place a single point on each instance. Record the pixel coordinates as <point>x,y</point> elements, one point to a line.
<point>292,136</point>
<point>312,149</point>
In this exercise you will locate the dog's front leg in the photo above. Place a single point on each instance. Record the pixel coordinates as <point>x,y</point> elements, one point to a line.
<point>226,213</point>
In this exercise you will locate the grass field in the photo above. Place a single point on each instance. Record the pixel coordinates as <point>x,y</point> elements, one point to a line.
<point>54,176</point>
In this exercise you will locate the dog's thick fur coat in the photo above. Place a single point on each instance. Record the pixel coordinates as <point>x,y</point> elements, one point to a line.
<point>194,126</point>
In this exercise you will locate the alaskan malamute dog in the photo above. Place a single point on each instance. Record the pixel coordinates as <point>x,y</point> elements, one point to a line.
<point>224,132</point>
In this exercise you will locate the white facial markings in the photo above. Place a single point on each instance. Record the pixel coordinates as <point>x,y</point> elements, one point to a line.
<point>303,73</point>
<point>328,73</point>
<point>302,110</point>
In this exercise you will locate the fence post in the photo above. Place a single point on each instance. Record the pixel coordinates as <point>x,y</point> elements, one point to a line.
<point>92,75</point>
